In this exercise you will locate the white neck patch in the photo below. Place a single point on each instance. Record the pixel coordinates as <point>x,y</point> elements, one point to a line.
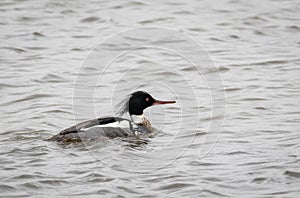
<point>138,119</point>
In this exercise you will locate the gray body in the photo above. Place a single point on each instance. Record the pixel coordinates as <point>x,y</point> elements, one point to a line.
<point>101,128</point>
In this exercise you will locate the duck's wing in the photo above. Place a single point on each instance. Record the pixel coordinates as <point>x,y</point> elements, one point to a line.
<point>83,126</point>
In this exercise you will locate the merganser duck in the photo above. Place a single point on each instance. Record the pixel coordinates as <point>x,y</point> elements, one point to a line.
<point>112,127</point>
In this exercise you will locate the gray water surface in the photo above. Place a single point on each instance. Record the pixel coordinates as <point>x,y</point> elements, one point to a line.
<point>255,46</point>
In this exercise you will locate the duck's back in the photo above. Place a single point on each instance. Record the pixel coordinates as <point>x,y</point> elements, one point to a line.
<point>100,128</point>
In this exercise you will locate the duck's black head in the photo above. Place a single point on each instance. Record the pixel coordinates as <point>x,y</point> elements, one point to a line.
<point>140,100</point>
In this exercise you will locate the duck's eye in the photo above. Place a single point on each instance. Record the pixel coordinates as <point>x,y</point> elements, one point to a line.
<point>147,99</point>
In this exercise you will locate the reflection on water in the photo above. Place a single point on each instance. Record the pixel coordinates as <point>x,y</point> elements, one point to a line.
<point>255,47</point>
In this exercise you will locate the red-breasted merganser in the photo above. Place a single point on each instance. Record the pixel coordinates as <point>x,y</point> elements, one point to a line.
<point>111,127</point>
